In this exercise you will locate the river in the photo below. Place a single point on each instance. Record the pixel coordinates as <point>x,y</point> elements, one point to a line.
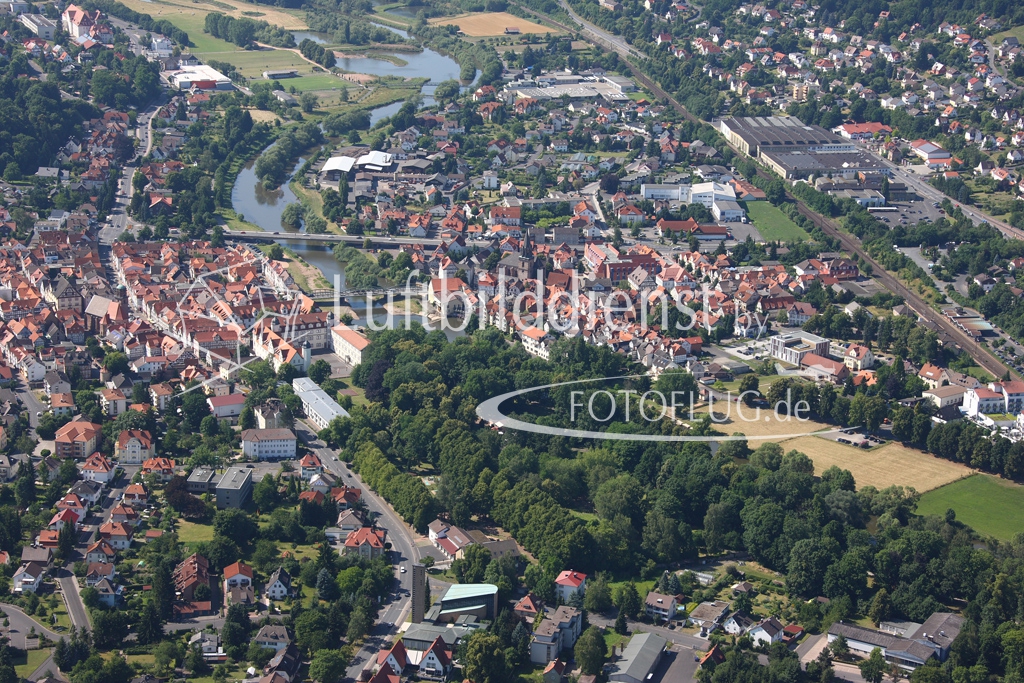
<point>264,208</point>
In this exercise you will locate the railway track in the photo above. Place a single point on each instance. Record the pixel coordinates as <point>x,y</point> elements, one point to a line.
<point>947,331</point>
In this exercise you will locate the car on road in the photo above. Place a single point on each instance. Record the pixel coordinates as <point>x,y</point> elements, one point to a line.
<point>403,570</point>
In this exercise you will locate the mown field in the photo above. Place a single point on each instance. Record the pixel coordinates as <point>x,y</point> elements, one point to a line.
<point>773,224</point>
<point>880,467</point>
<point>991,506</point>
<point>491,24</point>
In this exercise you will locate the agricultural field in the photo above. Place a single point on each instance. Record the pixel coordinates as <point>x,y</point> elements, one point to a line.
<point>491,24</point>
<point>772,224</point>
<point>175,10</point>
<point>989,505</point>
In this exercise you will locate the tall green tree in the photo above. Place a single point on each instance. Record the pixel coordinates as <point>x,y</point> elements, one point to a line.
<point>590,651</point>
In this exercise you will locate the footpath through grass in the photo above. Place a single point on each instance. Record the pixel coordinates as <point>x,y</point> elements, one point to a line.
<point>991,506</point>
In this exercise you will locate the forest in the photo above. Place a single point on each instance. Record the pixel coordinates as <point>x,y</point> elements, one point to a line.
<point>625,508</point>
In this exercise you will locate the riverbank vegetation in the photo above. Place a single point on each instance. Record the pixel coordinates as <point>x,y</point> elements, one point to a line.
<point>274,164</point>
<point>243,32</point>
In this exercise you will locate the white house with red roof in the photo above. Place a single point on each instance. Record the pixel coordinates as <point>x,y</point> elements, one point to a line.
<point>97,468</point>
<point>79,22</point>
<point>859,357</point>
<point>74,503</point>
<point>448,538</point>
<point>118,535</point>
<point>100,551</point>
<point>62,519</point>
<point>569,582</point>
<point>367,542</point>
<point>237,575</point>
<point>397,657</point>
<point>309,466</point>
<point>436,661</point>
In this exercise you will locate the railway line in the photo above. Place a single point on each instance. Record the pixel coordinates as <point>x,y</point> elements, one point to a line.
<point>947,331</point>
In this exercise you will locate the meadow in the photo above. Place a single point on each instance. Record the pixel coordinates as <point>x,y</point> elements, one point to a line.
<point>772,224</point>
<point>990,505</point>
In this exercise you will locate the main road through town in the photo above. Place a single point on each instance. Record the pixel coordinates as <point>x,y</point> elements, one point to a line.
<point>404,551</point>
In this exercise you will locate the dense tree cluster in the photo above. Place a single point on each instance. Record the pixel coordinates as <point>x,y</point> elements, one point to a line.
<point>244,31</point>
<point>274,164</point>
<point>318,53</point>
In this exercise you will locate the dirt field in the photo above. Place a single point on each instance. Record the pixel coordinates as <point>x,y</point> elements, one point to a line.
<point>491,24</point>
<point>263,116</point>
<point>880,467</point>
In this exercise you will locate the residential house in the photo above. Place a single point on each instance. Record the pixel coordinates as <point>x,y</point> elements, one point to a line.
<point>279,585</point>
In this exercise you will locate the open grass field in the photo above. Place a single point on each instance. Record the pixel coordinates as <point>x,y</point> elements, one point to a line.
<point>880,467</point>
<point>991,506</point>
<point>33,659</point>
<point>742,420</point>
<point>491,24</point>
<point>190,532</point>
<point>773,224</point>
<point>252,63</point>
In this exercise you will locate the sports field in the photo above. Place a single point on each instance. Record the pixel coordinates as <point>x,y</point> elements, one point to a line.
<point>991,506</point>
<point>491,24</point>
<point>773,224</point>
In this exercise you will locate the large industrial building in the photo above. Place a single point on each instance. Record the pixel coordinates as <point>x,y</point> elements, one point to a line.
<point>198,77</point>
<point>795,150</point>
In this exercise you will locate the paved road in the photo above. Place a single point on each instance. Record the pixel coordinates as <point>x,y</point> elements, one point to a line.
<point>404,551</point>
<point>72,598</point>
<point>356,240</point>
<point>21,624</point>
<point>32,404</point>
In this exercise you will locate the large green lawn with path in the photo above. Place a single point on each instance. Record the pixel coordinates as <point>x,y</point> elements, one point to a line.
<point>773,224</point>
<point>991,506</point>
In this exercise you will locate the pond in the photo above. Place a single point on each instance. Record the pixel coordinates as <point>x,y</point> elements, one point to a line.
<point>316,37</point>
<point>425,64</point>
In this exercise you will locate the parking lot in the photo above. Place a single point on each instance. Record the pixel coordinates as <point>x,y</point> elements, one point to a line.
<point>910,213</point>
<point>852,437</point>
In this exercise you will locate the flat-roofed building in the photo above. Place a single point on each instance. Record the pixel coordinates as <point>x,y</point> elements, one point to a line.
<point>202,480</point>
<point>791,347</point>
<point>234,488</point>
<point>320,408</point>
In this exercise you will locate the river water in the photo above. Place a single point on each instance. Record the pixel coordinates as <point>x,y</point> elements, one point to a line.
<point>264,208</point>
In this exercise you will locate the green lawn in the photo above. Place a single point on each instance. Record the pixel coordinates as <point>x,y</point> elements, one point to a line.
<point>252,63</point>
<point>979,374</point>
<point>773,224</point>
<point>992,506</point>
<point>32,660</point>
<point>190,532</point>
